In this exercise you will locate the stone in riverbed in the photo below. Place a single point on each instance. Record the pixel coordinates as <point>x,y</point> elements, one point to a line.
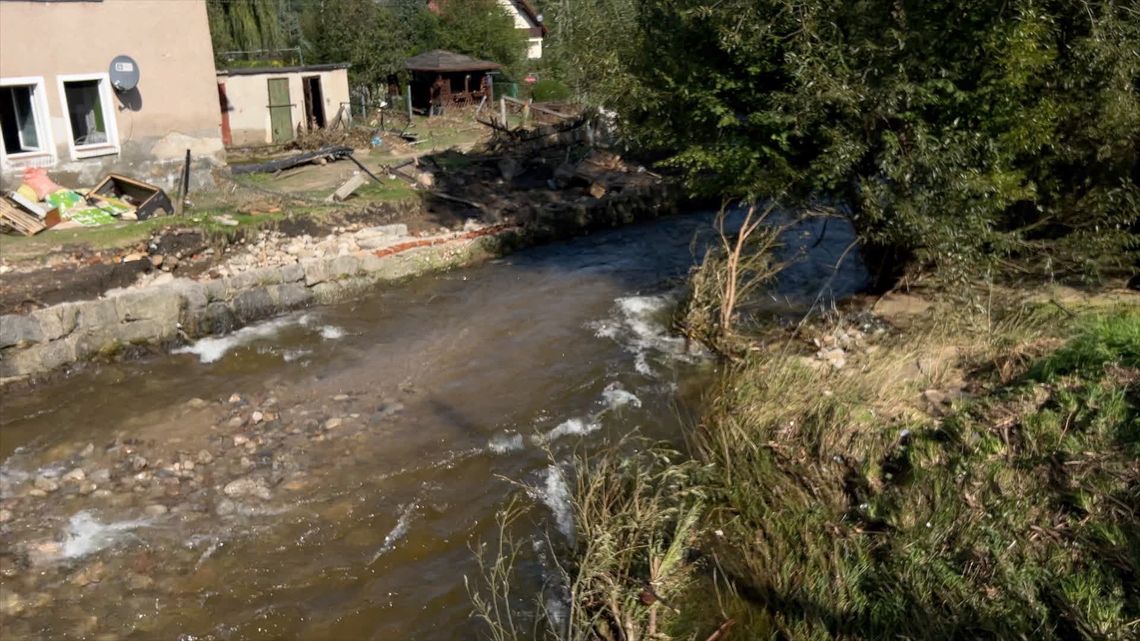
<point>333,423</point>
<point>225,507</point>
<point>90,574</point>
<point>204,457</point>
<point>156,509</point>
<point>247,487</point>
<point>11,604</point>
<point>5,515</point>
<point>76,475</point>
<point>87,487</point>
<point>44,484</point>
<point>256,418</point>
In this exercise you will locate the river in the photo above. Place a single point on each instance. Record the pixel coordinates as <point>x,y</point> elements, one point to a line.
<point>326,474</point>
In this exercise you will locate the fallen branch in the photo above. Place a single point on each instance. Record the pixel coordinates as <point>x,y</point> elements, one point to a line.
<point>363,168</point>
<point>722,631</point>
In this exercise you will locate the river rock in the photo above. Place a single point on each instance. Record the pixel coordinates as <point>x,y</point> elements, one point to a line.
<point>101,475</point>
<point>139,463</point>
<point>87,487</point>
<point>89,574</point>
<point>236,422</point>
<point>41,552</point>
<point>139,582</point>
<point>204,457</point>
<point>75,476</point>
<point>247,487</point>
<point>235,398</point>
<point>256,418</point>
<point>11,604</point>
<point>240,440</point>
<point>225,507</point>
<point>333,423</point>
<point>87,451</point>
<point>155,510</point>
<point>5,515</point>
<point>44,484</point>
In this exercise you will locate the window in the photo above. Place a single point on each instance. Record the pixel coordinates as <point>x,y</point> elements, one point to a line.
<point>23,118</point>
<point>90,115</point>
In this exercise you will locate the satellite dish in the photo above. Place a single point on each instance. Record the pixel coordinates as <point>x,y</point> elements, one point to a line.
<point>124,73</point>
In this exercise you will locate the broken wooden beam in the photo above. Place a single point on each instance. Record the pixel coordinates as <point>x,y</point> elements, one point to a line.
<point>344,191</point>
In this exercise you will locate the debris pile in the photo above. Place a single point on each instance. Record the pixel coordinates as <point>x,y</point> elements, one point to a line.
<point>39,203</point>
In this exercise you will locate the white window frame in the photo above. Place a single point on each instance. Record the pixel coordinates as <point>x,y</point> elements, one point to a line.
<point>108,148</point>
<point>43,122</point>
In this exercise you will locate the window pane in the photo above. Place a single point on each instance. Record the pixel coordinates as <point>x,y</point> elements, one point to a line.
<point>18,119</point>
<point>85,111</point>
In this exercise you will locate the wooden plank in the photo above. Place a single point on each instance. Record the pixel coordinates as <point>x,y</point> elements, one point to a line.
<point>22,222</point>
<point>345,190</point>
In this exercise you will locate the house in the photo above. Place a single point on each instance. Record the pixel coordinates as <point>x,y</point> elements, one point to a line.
<point>527,18</point>
<point>267,105</point>
<point>59,108</point>
<point>448,78</point>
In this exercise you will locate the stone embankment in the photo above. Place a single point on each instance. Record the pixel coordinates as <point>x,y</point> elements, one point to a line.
<point>169,311</point>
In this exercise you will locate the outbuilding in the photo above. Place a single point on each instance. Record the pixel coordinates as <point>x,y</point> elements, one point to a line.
<point>271,105</point>
<point>444,78</point>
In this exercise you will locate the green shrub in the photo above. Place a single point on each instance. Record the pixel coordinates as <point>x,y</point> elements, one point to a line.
<point>958,133</point>
<point>549,91</point>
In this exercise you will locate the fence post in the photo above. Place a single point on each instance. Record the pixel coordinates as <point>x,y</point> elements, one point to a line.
<point>503,111</point>
<point>409,95</point>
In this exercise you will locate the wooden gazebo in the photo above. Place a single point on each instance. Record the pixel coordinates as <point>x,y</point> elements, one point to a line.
<point>446,78</point>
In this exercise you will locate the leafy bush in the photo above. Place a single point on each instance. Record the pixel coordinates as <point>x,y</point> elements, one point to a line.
<point>549,91</point>
<point>958,132</point>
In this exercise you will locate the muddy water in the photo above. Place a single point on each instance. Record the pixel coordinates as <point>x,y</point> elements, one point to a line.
<point>324,475</point>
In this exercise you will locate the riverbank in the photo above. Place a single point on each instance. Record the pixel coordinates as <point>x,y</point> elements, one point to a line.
<point>184,283</point>
<point>910,467</point>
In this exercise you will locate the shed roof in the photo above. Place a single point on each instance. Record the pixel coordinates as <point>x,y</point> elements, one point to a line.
<point>257,71</point>
<point>440,60</point>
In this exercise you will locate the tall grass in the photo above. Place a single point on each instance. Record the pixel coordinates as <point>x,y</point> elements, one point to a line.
<point>1017,517</point>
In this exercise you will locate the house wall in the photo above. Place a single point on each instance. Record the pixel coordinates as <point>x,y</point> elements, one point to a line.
<point>534,43</point>
<point>174,108</point>
<point>248,97</point>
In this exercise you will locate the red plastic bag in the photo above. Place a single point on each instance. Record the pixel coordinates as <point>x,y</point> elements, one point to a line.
<point>37,179</point>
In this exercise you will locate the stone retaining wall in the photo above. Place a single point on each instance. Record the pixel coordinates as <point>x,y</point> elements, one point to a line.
<point>185,309</point>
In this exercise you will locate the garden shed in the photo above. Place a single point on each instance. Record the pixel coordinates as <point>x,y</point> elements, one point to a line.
<point>447,78</point>
<point>267,105</point>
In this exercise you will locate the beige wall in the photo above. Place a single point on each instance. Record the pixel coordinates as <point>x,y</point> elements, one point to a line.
<point>248,96</point>
<point>176,106</point>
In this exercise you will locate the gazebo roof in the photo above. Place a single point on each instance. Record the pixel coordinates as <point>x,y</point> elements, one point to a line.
<point>440,60</point>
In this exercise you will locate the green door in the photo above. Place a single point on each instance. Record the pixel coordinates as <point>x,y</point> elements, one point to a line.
<point>280,110</point>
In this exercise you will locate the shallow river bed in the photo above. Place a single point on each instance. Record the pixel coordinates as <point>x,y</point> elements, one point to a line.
<point>324,475</point>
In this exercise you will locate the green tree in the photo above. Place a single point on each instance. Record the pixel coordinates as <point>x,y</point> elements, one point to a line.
<point>375,39</point>
<point>246,25</point>
<point>955,132</point>
<point>482,29</point>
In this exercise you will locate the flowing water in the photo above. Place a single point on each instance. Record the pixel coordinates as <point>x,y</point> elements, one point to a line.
<point>326,474</point>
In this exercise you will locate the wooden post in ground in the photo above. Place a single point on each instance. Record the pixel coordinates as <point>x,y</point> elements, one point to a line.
<point>503,112</point>
<point>526,112</point>
<point>409,95</point>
